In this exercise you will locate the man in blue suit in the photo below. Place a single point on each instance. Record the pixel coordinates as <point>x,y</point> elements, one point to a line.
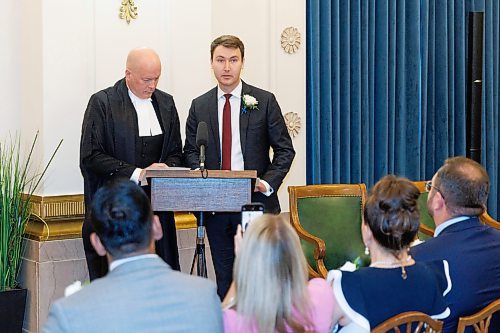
<point>141,293</point>
<point>244,123</point>
<point>457,197</point>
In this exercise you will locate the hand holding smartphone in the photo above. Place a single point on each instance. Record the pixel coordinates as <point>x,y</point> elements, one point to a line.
<point>250,212</point>
<point>238,237</point>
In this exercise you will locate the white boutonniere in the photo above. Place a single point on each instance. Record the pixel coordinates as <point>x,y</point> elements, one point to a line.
<point>361,261</point>
<point>248,103</point>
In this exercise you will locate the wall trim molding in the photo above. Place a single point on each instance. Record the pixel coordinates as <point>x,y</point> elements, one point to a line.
<point>57,206</point>
<point>61,217</point>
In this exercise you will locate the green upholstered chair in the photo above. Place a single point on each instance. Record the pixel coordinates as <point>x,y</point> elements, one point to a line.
<point>427,224</point>
<point>328,220</point>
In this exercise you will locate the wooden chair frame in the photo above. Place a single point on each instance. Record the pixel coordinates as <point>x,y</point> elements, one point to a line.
<point>425,323</point>
<point>480,321</point>
<point>488,220</point>
<point>316,191</point>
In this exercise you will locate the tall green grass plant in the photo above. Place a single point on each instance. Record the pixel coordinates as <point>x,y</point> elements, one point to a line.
<point>17,185</point>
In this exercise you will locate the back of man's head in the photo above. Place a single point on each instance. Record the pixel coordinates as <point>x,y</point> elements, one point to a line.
<point>122,218</point>
<point>464,185</point>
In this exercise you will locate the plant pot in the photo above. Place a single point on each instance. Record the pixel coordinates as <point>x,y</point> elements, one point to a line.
<point>12,307</point>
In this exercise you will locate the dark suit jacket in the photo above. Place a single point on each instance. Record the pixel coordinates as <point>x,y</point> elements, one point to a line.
<point>260,129</point>
<point>109,132</point>
<point>472,250</point>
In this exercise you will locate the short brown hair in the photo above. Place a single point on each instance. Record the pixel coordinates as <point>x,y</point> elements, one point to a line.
<point>464,185</point>
<point>229,41</point>
<point>391,212</point>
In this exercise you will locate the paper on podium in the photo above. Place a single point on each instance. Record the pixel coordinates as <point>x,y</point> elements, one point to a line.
<point>144,182</point>
<point>168,168</point>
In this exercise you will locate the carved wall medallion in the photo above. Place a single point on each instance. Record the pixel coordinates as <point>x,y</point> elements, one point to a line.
<point>290,40</point>
<point>128,10</point>
<point>293,123</point>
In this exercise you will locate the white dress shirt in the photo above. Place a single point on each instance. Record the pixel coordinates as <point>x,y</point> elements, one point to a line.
<point>118,262</point>
<point>446,224</point>
<point>237,162</point>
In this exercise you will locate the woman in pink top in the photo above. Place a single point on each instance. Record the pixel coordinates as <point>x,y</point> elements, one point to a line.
<point>270,291</point>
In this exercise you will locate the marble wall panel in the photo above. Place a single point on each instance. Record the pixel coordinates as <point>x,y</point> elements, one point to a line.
<point>28,279</point>
<point>50,266</point>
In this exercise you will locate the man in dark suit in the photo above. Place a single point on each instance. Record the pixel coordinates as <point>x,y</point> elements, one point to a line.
<point>140,293</point>
<point>244,122</point>
<point>457,197</point>
<point>127,128</point>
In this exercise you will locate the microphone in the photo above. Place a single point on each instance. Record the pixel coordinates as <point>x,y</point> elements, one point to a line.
<point>202,141</point>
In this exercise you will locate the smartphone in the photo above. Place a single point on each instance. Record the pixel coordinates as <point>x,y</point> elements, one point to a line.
<point>250,212</point>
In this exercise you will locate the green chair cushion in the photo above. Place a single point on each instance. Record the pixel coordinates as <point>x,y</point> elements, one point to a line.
<point>336,220</point>
<point>425,218</point>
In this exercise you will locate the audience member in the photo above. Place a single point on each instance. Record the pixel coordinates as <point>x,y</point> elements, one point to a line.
<point>394,282</point>
<point>141,293</point>
<point>270,291</point>
<point>457,197</point>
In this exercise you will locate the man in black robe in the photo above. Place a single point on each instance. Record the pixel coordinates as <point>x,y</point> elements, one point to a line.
<point>127,128</point>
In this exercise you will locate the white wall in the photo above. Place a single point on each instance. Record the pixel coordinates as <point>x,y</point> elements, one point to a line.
<point>10,67</point>
<point>63,51</point>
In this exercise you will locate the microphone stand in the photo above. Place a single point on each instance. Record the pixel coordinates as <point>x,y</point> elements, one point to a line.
<point>199,253</point>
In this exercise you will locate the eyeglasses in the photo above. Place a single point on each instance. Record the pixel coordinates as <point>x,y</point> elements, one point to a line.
<point>429,186</point>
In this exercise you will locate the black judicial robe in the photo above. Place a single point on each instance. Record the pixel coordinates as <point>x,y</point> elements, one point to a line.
<point>108,147</point>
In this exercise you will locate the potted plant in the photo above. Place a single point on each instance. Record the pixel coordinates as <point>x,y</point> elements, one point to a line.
<point>17,186</point>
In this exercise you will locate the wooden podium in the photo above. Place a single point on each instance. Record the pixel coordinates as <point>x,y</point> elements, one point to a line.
<point>189,190</point>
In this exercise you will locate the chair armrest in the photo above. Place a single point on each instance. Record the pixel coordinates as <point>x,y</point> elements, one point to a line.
<point>319,247</point>
<point>319,244</point>
<point>426,230</point>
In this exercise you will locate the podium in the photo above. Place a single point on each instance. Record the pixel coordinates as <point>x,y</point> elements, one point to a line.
<point>188,190</point>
